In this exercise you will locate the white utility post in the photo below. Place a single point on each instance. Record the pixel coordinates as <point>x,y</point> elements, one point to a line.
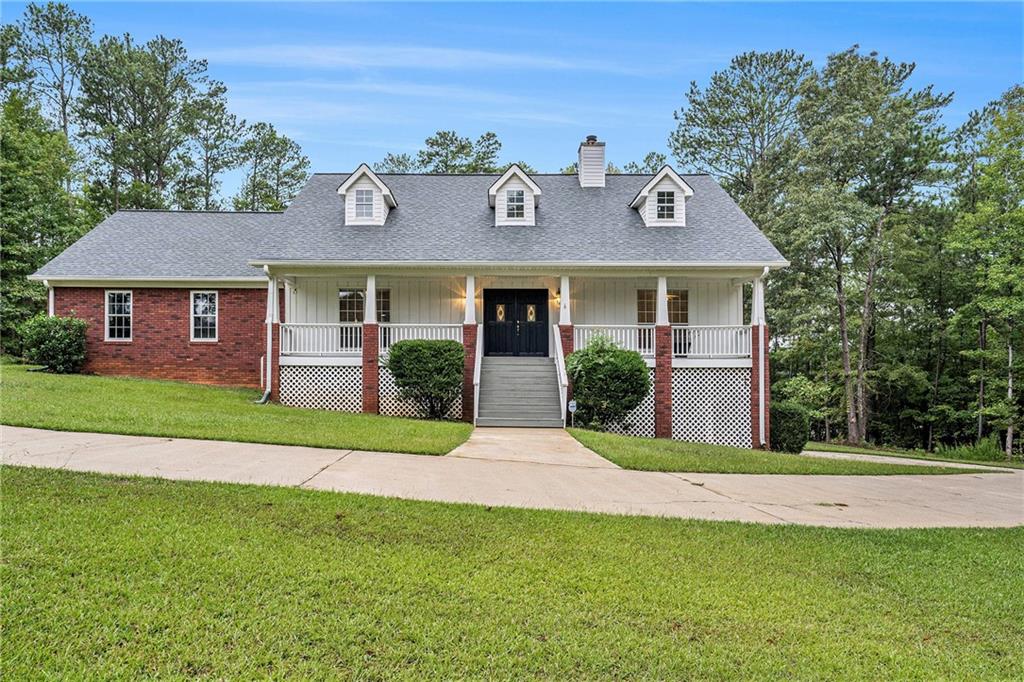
<point>272,316</point>
<point>565,302</point>
<point>661,318</point>
<point>470,314</point>
<point>757,319</point>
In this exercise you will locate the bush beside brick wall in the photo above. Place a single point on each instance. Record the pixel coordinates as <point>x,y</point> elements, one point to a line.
<point>160,347</point>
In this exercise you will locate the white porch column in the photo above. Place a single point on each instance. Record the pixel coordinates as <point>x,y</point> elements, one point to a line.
<point>757,303</point>
<point>370,304</point>
<point>661,318</point>
<point>470,314</point>
<point>49,298</point>
<point>565,302</point>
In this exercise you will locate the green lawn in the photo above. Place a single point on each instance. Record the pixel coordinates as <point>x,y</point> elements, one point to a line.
<point>166,408</point>
<point>907,454</point>
<point>650,454</point>
<point>109,577</point>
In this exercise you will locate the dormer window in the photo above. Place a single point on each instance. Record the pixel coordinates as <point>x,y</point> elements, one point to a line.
<point>662,201</point>
<point>515,203</point>
<point>364,203</point>
<point>666,205</point>
<point>514,197</point>
<point>361,192</point>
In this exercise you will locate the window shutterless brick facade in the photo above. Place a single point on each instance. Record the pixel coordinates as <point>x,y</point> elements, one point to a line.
<point>161,348</point>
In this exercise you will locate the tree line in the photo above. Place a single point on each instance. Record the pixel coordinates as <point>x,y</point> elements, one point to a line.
<point>93,125</point>
<point>899,320</point>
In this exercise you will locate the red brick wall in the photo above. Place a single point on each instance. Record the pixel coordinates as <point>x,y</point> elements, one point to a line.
<point>663,381</point>
<point>759,355</point>
<point>160,346</point>
<point>468,367</point>
<point>566,337</point>
<point>371,369</point>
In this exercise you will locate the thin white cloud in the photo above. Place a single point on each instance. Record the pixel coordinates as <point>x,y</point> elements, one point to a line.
<point>304,109</point>
<point>381,87</point>
<point>404,57</point>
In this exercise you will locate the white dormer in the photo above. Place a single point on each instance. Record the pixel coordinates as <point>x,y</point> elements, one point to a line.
<point>662,201</point>
<point>515,198</point>
<point>367,199</point>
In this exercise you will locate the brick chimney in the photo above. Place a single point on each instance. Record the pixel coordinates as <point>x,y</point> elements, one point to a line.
<point>590,167</point>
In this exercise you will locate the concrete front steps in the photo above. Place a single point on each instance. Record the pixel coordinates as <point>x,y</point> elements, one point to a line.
<point>519,392</point>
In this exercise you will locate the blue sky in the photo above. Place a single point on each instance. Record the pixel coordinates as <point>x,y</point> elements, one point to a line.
<point>351,82</point>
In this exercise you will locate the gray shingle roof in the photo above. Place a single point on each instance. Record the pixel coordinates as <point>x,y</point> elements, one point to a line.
<point>439,218</point>
<point>154,244</point>
<point>447,218</point>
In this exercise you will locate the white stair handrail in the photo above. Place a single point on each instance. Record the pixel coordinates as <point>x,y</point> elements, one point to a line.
<point>563,378</point>
<point>477,362</point>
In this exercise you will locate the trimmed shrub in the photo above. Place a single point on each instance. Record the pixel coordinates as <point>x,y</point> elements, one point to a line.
<point>58,343</point>
<point>607,382</point>
<point>428,373</point>
<point>790,426</point>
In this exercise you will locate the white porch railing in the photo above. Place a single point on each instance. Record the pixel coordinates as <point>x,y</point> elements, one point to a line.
<point>628,336</point>
<point>563,379</point>
<point>316,338</point>
<point>725,341</point>
<point>393,333</point>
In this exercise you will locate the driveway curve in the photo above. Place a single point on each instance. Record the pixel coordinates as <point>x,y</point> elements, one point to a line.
<point>540,482</point>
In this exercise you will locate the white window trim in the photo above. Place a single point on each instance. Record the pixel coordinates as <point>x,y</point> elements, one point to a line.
<point>520,204</point>
<point>674,205</point>
<point>192,314</point>
<point>106,315</point>
<point>372,204</point>
<point>636,305</point>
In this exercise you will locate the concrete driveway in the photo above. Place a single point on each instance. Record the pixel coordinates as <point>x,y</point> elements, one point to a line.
<point>536,478</point>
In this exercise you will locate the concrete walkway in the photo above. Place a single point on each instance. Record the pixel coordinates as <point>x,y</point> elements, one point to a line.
<point>849,501</point>
<point>888,459</point>
<point>542,446</point>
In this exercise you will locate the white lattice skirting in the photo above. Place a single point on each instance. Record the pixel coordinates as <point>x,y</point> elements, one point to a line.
<point>639,422</point>
<point>393,406</point>
<point>322,388</point>
<point>711,405</point>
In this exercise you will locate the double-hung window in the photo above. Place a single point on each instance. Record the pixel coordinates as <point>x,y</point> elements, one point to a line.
<point>666,205</point>
<point>647,306</point>
<point>515,203</point>
<point>364,203</point>
<point>204,316</point>
<point>351,310</point>
<point>117,323</point>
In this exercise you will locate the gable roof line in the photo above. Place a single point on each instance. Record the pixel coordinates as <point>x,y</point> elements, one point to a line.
<point>514,169</point>
<point>363,169</point>
<point>480,175</point>
<point>193,210</point>
<point>666,171</point>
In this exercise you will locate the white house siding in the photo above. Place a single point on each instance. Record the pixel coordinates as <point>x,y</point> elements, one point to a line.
<point>380,209</point>
<point>500,204</point>
<point>613,301</point>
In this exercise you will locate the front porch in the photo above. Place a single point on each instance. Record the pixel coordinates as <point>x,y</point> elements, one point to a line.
<point>333,329</point>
